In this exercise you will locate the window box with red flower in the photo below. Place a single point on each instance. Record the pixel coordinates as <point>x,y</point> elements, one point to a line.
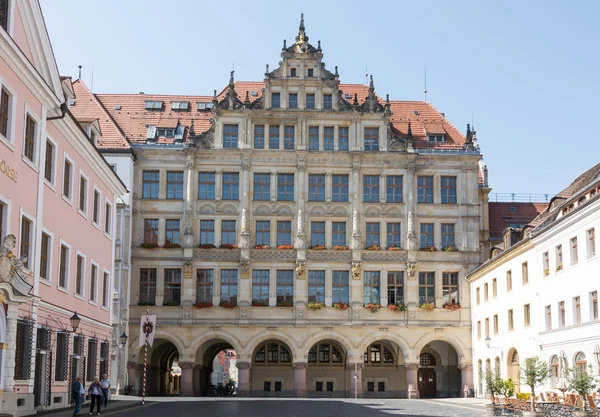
<point>428,249</point>
<point>259,303</point>
<point>394,248</point>
<point>397,307</point>
<point>169,245</point>
<point>227,304</point>
<point>204,304</point>
<point>311,305</point>
<point>427,306</point>
<point>452,306</point>
<point>374,247</point>
<point>262,247</point>
<point>450,249</point>
<point>228,246</point>
<point>149,245</point>
<point>318,247</point>
<point>285,304</point>
<point>339,247</point>
<point>285,247</point>
<point>206,246</point>
<point>373,307</point>
<point>341,306</point>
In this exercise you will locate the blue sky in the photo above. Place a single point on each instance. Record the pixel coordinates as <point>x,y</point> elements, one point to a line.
<point>526,71</point>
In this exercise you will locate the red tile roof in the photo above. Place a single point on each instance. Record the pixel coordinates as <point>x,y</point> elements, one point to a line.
<point>124,116</point>
<point>87,109</point>
<point>501,216</point>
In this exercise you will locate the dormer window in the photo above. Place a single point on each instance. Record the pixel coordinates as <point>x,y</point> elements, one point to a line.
<point>151,134</point>
<point>327,101</point>
<point>275,100</point>
<point>205,105</point>
<point>292,72</point>
<point>311,72</point>
<point>435,138</point>
<point>180,105</point>
<point>293,101</point>
<point>166,133</point>
<point>154,105</point>
<point>310,101</point>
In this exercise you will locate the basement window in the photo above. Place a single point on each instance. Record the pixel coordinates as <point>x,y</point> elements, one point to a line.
<point>153,105</point>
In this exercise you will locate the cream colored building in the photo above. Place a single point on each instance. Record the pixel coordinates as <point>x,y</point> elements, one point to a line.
<point>266,202</point>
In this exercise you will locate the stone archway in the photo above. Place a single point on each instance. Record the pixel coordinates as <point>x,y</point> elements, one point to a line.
<point>443,377</point>
<point>514,368</point>
<point>383,373</point>
<point>326,374</point>
<point>273,371</point>
<point>204,369</point>
<point>163,372</point>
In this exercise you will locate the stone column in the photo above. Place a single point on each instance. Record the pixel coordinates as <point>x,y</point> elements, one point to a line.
<point>11,341</point>
<point>218,184</point>
<point>355,375</point>
<point>300,379</point>
<point>187,377</point>
<point>466,374</point>
<point>412,381</point>
<point>273,185</point>
<point>197,373</point>
<point>244,389</point>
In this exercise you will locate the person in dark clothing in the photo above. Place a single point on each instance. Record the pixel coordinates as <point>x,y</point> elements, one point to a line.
<point>95,391</point>
<point>77,395</point>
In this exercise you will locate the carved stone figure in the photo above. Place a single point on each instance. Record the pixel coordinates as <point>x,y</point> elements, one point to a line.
<point>411,269</point>
<point>244,221</point>
<point>188,270</point>
<point>300,223</point>
<point>244,269</point>
<point>356,269</point>
<point>12,269</point>
<point>355,229</point>
<point>300,269</point>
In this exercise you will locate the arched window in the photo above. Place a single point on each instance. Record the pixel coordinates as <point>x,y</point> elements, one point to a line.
<point>514,360</point>
<point>480,367</point>
<point>497,366</point>
<point>554,371</point>
<point>272,353</point>
<point>379,353</point>
<point>325,353</point>
<point>488,365</point>
<point>426,359</point>
<point>580,363</point>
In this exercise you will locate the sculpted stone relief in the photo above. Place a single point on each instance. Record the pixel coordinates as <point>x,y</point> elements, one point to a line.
<point>12,269</point>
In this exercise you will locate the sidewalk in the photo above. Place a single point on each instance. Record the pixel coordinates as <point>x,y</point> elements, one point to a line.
<point>113,407</point>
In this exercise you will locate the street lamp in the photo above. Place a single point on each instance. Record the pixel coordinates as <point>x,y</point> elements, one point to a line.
<point>75,320</point>
<point>123,339</point>
<point>488,341</point>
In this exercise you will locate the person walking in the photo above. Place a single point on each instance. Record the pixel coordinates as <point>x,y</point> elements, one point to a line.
<point>77,394</point>
<point>105,382</point>
<point>95,391</point>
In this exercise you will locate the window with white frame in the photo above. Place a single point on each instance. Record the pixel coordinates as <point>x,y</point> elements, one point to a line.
<point>561,314</point>
<point>105,287</point>
<point>594,305</point>
<point>79,274</point>
<point>107,218</point>
<point>25,249</point>
<point>93,282</point>
<point>29,144</point>
<point>559,258</point>
<point>591,243</point>
<point>63,267</point>
<point>50,161</point>
<point>83,194</point>
<point>576,310</point>
<point>45,256</point>
<point>96,207</point>
<point>574,254</point>
<point>6,112</point>
<point>67,178</point>
<point>3,220</point>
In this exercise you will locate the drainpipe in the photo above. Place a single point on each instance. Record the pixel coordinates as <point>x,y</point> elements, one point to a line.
<point>63,110</point>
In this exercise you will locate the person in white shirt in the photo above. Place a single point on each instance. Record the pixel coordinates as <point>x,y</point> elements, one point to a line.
<point>105,383</point>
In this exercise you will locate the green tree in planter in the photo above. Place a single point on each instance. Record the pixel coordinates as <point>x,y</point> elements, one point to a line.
<point>582,382</point>
<point>507,387</point>
<point>493,383</point>
<point>534,373</point>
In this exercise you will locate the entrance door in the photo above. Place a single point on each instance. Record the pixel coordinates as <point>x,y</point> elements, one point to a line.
<point>39,387</point>
<point>427,385</point>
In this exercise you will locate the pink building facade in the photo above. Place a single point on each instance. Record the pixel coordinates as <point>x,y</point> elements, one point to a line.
<point>58,197</point>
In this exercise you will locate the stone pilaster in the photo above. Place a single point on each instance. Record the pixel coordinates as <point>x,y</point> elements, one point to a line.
<point>300,379</point>
<point>355,376</point>
<point>187,372</point>
<point>244,389</point>
<point>412,380</point>
<point>466,374</point>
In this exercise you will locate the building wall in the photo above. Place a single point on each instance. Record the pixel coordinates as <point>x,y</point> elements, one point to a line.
<point>25,193</point>
<point>541,290</point>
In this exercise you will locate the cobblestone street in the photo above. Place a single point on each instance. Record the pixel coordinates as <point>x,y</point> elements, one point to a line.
<point>274,407</point>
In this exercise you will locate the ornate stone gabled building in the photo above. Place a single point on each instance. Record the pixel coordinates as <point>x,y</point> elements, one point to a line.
<point>296,207</point>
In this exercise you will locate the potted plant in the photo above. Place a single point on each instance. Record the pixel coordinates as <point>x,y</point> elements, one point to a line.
<point>285,247</point>
<point>228,246</point>
<point>397,307</point>
<point>262,247</point>
<point>206,246</point>
<point>583,383</point>
<point>373,307</point>
<point>559,267</point>
<point>285,304</point>
<point>169,245</point>
<point>534,372</point>
<point>203,304</point>
<point>341,306</point>
<point>450,249</point>
<point>339,247</point>
<point>311,305</point>
<point>373,247</point>
<point>427,306</point>
<point>428,249</point>
<point>393,248</point>
<point>149,245</point>
<point>227,304</point>
<point>492,386</point>
<point>507,388</point>
<point>452,306</point>
<point>259,303</point>
<point>319,247</point>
